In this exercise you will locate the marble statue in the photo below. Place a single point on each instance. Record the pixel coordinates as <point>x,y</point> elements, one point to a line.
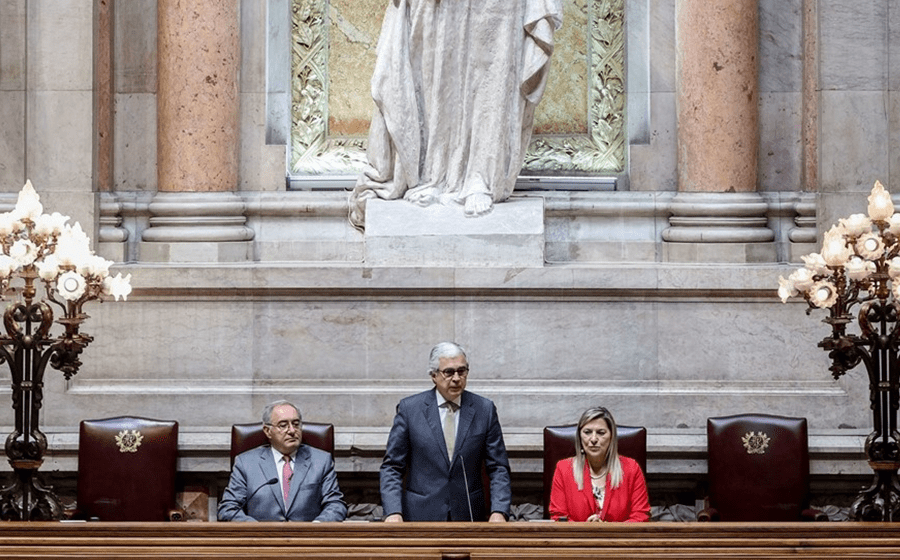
<point>455,85</point>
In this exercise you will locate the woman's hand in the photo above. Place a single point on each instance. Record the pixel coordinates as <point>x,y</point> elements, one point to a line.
<point>595,518</point>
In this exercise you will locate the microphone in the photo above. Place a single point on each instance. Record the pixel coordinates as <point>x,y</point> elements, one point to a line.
<point>466,482</point>
<point>246,500</point>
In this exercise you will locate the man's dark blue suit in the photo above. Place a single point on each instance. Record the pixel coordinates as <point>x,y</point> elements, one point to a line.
<point>435,488</point>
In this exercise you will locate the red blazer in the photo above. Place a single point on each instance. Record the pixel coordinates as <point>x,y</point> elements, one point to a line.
<point>628,502</point>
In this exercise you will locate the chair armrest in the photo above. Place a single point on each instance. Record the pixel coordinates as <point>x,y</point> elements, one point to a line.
<point>812,514</point>
<point>708,514</point>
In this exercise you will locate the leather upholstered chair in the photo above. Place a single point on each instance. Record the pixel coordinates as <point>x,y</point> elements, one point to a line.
<point>245,437</point>
<point>559,444</point>
<point>758,469</point>
<point>126,470</point>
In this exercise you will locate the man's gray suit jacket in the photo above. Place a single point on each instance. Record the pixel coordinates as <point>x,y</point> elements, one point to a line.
<point>251,494</point>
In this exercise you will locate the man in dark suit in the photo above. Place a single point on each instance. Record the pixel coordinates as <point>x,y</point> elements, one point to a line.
<point>285,480</point>
<point>438,442</point>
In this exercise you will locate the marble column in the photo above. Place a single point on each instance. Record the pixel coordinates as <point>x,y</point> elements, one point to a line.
<point>198,135</point>
<point>718,214</point>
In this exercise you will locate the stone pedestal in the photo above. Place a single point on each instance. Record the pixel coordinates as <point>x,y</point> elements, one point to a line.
<point>399,233</point>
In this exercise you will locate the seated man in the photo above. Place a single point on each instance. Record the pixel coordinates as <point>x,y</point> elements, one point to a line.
<point>283,481</point>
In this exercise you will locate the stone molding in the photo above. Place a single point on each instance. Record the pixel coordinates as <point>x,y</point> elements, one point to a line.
<point>718,218</point>
<point>580,226</point>
<point>111,230</point>
<point>197,217</point>
<point>805,219</point>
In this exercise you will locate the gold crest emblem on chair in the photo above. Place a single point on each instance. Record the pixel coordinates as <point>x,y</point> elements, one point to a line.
<point>755,443</point>
<point>129,441</point>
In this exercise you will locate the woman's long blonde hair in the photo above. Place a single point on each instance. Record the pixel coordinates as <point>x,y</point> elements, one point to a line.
<point>613,465</point>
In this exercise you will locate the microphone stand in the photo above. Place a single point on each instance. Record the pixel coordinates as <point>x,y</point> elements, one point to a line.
<point>246,500</point>
<point>466,482</point>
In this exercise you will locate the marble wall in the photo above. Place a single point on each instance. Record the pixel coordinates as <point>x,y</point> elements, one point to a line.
<point>47,89</point>
<point>859,125</point>
<point>607,318</point>
<point>664,349</point>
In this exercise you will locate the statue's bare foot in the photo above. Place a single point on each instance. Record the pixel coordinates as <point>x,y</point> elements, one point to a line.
<point>422,196</point>
<point>478,204</point>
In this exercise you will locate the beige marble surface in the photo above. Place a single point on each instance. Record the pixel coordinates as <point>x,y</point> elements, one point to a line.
<point>352,38</point>
<point>12,45</point>
<point>663,346</point>
<point>12,137</point>
<point>718,95</point>
<point>564,107</point>
<point>61,59</point>
<point>197,100</point>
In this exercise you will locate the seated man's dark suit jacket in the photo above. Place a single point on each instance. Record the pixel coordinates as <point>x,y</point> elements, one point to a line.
<point>314,495</point>
<point>435,488</point>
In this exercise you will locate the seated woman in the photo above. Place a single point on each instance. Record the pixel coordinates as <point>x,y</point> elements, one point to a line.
<point>597,484</point>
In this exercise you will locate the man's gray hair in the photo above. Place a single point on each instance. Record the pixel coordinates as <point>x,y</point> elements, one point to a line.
<point>444,350</point>
<point>267,412</point>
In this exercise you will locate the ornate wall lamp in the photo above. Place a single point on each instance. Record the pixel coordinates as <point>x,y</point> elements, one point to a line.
<point>43,249</point>
<point>859,267</point>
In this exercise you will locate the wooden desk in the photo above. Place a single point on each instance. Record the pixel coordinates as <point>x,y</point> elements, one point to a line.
<point>511,541</point>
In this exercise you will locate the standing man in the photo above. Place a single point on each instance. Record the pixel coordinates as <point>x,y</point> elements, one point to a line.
<point>285,480</point>
<point>438,442</point>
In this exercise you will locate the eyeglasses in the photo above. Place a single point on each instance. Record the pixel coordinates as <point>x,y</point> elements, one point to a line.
<point>284,425</point>
<point>450,372</point>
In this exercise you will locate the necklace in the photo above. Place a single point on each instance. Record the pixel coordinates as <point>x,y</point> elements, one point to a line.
<point>603,472</point>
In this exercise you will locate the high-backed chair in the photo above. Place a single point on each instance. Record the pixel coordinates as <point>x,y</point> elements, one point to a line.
<point>559,444</point>
<point>758,469</point>
<point>245,437</point>
<point>126,469</point>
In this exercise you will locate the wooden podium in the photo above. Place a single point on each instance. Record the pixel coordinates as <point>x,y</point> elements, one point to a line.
<point>495,541</point>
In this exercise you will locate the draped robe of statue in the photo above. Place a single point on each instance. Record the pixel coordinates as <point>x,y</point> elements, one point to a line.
<point>455,86</point>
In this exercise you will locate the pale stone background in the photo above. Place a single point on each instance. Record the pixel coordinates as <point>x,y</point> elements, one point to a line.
<point>606,319</point>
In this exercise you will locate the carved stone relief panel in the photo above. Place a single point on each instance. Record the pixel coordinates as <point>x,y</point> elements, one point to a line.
<point>579,125</point>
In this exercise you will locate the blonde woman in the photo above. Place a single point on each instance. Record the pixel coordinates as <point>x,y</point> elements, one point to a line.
<point>598,484</point>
